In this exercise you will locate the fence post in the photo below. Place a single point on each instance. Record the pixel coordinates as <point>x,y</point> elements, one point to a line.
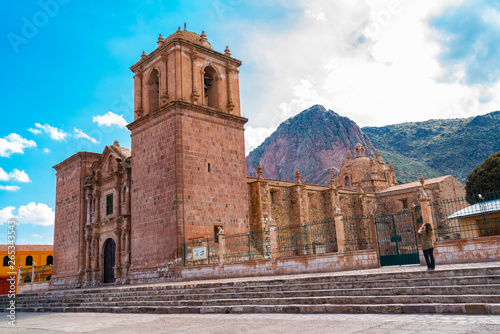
<point>425,206</point>
<point>339,232</point>
<point>373,229</point>
<point>19,276</point>
<point>273,239</point>
<point>33,272</point>
<point>183,254</point>
<point>306,239</point>
<point>222,245</point>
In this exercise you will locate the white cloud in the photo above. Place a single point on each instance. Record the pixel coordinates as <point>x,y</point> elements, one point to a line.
<point>14,143</point>
<point>6,214</point>
<point>9,188</point>
<point>37,235</point>
<point>46,150</point>
<point>371,61</point>
<point>34,131</point>
<point>255,136</point>
<point>36,214</point>
<point>16,175</point>
<point>80,134</point>
<point>19,175</point>
<point>54,133</point>
<point>3,175</point>
<point>110,119</point>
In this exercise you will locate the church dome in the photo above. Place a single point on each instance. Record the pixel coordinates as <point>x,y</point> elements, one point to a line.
<point>190,36</point>
<point>364,173</point>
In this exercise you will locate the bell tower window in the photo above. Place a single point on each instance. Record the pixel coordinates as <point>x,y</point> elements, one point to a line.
<point>346,181</point>
<point>154,91</point>
<point>211,88</point>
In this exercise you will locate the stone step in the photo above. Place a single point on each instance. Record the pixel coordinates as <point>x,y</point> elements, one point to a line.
<point>419,291</point>
<point>304,279</point>
<point>462,290</point>
<point>455,308</point>
<point>336,300</point>
<point>167,289</point>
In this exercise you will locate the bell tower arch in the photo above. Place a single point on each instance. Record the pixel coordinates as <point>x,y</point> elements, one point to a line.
<point>188,150</point>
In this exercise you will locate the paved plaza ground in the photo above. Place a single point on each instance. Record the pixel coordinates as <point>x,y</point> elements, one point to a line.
<point>263,323</point>
<point>251,323</point>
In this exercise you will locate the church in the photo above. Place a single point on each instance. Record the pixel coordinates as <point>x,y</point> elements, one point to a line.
<point>122,215</point>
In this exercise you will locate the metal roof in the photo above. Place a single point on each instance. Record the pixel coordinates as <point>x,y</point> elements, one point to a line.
<point>477,209</point>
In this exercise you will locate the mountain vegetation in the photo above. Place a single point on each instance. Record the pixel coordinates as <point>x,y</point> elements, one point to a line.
<point>318,139</point>
<point>445,146</point>
<point>485,178</point>
<point>313,142</point>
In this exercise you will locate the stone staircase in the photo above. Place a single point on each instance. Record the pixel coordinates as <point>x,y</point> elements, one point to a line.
<point>457,290</point>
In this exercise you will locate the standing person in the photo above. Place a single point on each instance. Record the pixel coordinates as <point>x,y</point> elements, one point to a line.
<point>428,244</point>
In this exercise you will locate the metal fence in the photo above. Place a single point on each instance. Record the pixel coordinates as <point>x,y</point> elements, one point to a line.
<point>248,246</point>
<point>42,273</point>
<point>305,239</point>
<point>357,233</point>
<point>467,217</point>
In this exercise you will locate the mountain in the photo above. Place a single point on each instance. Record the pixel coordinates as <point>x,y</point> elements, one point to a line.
<point>313,141</point>
<point>318,139</point>
<point>451,146</point>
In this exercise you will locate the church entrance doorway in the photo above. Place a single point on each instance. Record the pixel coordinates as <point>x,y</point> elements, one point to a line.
<point>397,239</point>
<point>109,261</point>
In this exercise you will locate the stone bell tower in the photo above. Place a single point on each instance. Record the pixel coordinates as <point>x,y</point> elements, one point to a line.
<point>188,151</point>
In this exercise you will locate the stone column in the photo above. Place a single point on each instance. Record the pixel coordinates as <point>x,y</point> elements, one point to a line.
<point>373,230</point>
<point>194,78</point>
<point>88,239</point>
<point>89,205</point>
<point>339,232</point>
<point>33,272</point>
<point>273,240</point>
<point>425,206</point>
<point>118,264</point>
<point>164,80</point>
<point>222,245</point>
<point>98,207</point>
<point>178,71</point>
<point>118,210</point>
<point>138,94</point>
<point>230,103</point>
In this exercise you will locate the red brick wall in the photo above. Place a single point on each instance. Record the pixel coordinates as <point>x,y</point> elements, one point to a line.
<point>154,197</point>
<point>218,196</point>
<point>70,213</point>
<point>174,196</point>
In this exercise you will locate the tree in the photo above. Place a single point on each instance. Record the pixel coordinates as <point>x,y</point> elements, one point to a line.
<point>484,179</point>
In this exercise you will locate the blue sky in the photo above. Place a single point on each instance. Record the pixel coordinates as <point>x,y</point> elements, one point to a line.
<point>67,86</point>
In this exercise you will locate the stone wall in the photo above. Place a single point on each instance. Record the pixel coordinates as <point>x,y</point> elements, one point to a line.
<point>293,265</point>
<point>466,250</point>
<point>156,203</point>
<point>70,216</point>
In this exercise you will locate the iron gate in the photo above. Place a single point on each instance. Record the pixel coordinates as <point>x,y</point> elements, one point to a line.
<point>397,239</point>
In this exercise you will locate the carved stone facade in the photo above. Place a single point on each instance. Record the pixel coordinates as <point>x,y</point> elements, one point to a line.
<point>122,216</point>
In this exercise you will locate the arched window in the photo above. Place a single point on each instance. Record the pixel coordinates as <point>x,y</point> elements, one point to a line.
<point>346,181</point>
<point>50,260</point>
<point>6,260</point>
<point>154,91</point>
<point>27,279</point>
<point>211,87</point>
<point>110,163</point>
<point>29,260</point>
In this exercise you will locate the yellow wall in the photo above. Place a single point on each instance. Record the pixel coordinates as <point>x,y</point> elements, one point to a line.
<point>470,226</point>
<point>39,258</point>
